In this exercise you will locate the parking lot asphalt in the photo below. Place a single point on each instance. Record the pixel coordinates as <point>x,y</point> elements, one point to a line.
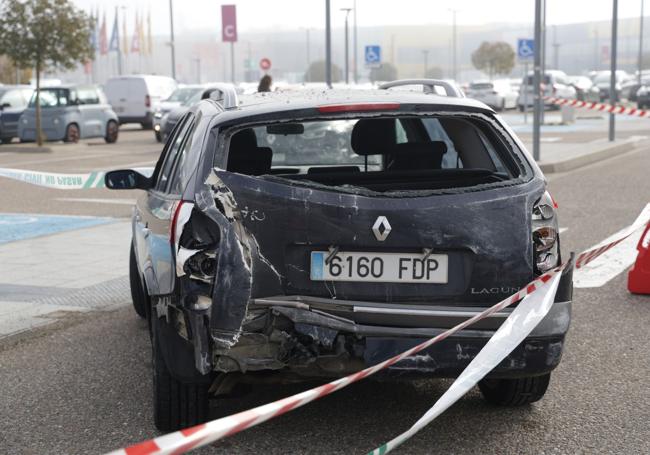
<point>84,385</point>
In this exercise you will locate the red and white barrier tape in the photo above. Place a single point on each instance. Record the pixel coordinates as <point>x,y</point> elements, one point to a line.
<point>601,107</point>
<point>203,434</point>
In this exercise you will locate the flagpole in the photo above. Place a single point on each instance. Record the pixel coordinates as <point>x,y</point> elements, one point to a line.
<point>116,29</point>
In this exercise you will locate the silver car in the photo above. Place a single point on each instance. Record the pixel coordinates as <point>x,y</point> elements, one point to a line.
<point>13,101</point>
<point>70,113</point>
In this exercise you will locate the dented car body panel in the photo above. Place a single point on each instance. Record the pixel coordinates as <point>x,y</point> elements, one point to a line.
<point>228,258</point>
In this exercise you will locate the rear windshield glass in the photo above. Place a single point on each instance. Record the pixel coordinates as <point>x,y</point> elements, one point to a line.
<point>342,151</point>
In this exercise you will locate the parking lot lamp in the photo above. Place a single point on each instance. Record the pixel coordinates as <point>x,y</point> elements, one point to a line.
<point>347,47</point>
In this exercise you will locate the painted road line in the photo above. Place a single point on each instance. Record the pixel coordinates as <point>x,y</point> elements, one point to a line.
<point>17,226</point>
<point>97,200</point>
<point>611,263</point>
<point>564,229</point>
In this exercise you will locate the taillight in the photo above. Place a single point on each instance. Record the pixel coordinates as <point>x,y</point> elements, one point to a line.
<point>181,213</point>
<point>546,252</point>
<point>147,101</point>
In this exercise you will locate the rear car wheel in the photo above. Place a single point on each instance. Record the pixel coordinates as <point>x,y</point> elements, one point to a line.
<point>176,404</point>
<point>71,133</point>
<point>6,140</point>
<point>138,295</point>
<point>158,136</point>
<point>112,131</point>
<point>514,392</point>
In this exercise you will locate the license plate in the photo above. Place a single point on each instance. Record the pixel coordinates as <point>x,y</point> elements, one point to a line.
<point>380,267</point>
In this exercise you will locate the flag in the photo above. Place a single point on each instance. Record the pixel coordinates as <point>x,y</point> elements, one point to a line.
<point>114,44</point>
<point>103,42</point>
<point>149,39</point>
<point>93,33</point>
<point>125,39</point>
<point>135,41</point>
<point>143,45</point>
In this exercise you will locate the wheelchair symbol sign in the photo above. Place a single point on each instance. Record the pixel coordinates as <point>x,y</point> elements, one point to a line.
<point>525,49</point>
<point>373,55</point>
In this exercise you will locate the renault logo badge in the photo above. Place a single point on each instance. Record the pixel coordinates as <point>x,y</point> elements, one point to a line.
<point>381,228</point>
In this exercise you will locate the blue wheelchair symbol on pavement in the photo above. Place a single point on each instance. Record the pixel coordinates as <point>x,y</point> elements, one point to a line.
<point>525,48</point>
<point>373,55</point>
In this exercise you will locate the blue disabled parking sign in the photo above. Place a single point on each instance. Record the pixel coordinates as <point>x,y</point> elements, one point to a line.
<point>373,55</point>
<point>525,48</point>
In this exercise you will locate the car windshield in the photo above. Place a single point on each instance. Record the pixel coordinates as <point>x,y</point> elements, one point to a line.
<point>546,80</point>
<point>181,95</point>
<point>52,97</point>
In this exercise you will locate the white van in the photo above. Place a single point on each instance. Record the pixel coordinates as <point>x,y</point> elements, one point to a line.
<point>136,98</point>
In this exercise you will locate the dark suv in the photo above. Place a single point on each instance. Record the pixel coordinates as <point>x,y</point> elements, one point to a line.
<point>286,236</point>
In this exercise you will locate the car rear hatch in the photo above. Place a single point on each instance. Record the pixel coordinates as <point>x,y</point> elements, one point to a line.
<point>470,247</point>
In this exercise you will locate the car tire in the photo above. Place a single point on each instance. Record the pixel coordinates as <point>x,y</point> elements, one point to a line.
<point>146,125</point>
<point>158,136</point>
<point>521,108</point>
<point>176,405</point>
<point>72,133</point>
<point>514,392</point>
<point>138,295</point>
<point>112,132</point>
<point>6,140</point>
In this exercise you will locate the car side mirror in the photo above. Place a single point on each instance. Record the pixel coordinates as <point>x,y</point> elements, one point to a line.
<point>126,179</point>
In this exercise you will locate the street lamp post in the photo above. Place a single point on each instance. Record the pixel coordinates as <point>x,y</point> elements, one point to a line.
<point>307,79</point>
<point>425,55</point>
<point>454,65</point>
<point>356,46</point>
<point>537,79</point>
<point>328,45</point>
<point>612,74</point>
<point>638,79</point>
<point>347,59</point>
<point>171,43</point>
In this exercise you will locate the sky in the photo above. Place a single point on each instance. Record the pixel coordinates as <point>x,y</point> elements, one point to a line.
<point>203,15</point>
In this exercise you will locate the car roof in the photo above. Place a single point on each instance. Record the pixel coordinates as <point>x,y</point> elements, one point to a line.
<point>289,100</point>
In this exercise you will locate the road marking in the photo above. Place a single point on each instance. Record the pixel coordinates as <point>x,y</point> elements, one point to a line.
<point>21,226</point>
<point>613,262</point>
<point>97,200</point>
<point>563,230</point>
<point>550,139</point>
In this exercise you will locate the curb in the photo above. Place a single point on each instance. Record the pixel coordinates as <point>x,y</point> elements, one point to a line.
<point>580,161</point>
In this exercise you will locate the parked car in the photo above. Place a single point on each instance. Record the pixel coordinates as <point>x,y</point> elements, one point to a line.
<point>602,80</point>
<point>498,94</point>
<point>70,113</point>
<point>13,101</point>
<point>135,99</point>
<point>643,97</point>
<point>554,83</point>
<point>630,88</point>
<point>585,88</point>
<point>179,97</point>
<point>169,120</point>
<point>254,259</point>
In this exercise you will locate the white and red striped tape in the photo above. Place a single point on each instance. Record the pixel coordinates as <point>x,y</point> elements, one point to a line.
<point>203,434</point>
<point>601,107</point>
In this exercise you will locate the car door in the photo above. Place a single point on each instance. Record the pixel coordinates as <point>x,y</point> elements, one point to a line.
<point>154,212</point>
<point>91,112</point>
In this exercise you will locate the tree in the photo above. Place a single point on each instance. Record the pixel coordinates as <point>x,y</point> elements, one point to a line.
<point>316,72</point>
<point>9,72</point>
<point>435,72</point>
<point>44,34</point>
<point>385,72</point>
<point>494,58</point>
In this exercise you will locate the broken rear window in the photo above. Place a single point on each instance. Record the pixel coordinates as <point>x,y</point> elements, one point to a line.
<point>377,153</point>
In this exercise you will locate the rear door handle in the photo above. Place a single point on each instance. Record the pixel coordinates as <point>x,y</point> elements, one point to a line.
<point>146,232</point>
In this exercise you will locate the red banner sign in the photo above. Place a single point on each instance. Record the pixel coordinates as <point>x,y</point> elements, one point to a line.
<point>229,23</point>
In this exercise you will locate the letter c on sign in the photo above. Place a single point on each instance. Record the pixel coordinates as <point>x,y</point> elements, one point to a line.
<point>229,31</point>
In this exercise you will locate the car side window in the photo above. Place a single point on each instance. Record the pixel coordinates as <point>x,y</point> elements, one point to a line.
<point>173,147</point>
<point>87,96</point>
<point>181,172</point>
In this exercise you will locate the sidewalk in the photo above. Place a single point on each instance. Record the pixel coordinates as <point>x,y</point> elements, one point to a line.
<point>44,279</point>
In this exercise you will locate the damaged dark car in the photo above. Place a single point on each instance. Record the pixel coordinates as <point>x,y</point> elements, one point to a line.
<point>307,235</point>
